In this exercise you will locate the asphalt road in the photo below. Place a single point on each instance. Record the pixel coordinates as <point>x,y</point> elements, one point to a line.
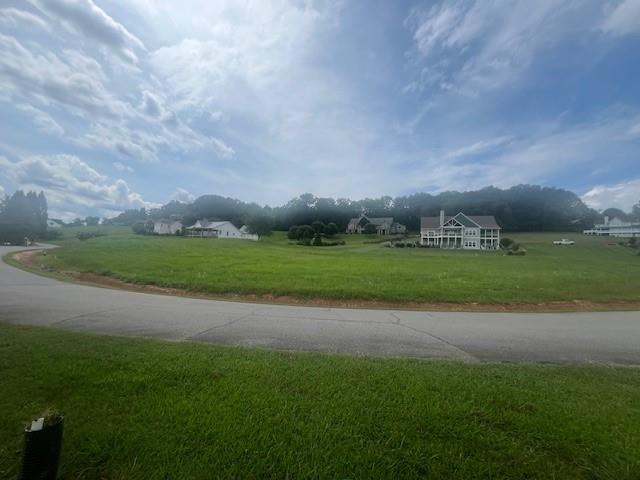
<point>610,337</point>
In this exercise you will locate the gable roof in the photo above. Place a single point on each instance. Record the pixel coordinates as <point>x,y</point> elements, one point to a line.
<point>482,221</point>
<point>375,220</point>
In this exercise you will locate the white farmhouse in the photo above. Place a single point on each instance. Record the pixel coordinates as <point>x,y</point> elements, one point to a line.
<point>166,227</point>
<point>222,229</point>
<point>615,227</point>
<point>469,232</point>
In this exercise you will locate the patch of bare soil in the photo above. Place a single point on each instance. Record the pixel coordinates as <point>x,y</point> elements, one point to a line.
<point>30,260</point>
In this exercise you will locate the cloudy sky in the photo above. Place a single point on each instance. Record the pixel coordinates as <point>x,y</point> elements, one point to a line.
<point>114,104</point>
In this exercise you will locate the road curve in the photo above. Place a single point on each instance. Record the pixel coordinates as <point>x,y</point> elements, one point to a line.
<point>592,337</point>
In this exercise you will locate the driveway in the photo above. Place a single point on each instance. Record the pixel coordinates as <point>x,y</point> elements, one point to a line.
<point>609,337</point>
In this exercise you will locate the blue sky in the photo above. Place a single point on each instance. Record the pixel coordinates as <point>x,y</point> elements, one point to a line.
<point>107,105</point>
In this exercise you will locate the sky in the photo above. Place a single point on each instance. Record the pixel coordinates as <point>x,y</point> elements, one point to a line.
<point>107,105</point>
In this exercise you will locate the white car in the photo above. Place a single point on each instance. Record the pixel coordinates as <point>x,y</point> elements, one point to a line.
<point>564,241</point>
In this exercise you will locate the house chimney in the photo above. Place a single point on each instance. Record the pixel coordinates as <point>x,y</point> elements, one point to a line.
<point>441,217</point>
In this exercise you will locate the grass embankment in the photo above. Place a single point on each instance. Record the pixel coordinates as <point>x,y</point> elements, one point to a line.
<point>142,409</point>
<point>592,270</point>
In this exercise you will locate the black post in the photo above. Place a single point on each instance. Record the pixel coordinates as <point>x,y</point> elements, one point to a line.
<point>42,445</point>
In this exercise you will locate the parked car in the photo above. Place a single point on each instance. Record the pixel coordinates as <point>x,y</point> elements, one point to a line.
<point>7,244</point>
<point>564,241</point>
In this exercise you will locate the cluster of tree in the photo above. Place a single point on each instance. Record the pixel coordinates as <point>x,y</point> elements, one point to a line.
<point>23,215</point>
<point>317,228</point>
<point>519,208</point>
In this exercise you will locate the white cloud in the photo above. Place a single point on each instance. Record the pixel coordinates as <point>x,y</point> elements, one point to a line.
<point>634,130</point>
<point>489,43</point>
<point>121,167</point>
<point>75,82</point>
<point>43,121</point>
<point>621,195</point>
<point>86,18</point>
<point>624,19</point>
<point>2,191</point>
<point>14,17</point>
<point>71,186</point>
<point>480,147</point>
<point>182,195</point>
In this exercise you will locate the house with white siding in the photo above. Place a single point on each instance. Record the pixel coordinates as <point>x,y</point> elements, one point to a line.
<point>166,227</point>
<point>220,229</point>
<point>468,232</point>
<point>615,227</point>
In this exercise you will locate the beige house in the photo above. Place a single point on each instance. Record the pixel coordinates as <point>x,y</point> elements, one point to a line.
<point>384,225</point>
<point>468,232</point>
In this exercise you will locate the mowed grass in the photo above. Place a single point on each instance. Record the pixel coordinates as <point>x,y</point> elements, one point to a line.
<point>591,270</point>
<point>143,409</point>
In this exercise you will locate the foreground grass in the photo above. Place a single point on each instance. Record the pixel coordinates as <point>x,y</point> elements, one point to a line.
<point>141,409</point>
<point>591,270</point>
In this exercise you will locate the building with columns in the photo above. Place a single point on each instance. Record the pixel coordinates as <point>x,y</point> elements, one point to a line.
<point>469,232</point>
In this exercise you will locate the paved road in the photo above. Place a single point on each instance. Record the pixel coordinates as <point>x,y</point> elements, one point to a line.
<point>532,337</point>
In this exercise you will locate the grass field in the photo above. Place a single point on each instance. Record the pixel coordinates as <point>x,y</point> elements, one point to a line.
<point>142,409</point>
<point>591,270</point>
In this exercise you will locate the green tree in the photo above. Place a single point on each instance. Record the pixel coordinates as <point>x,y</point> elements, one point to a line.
<point>318,226</point>
<point>330,229</point>
<point>293,233</point>
<point>260,225</point>
<point>306,232</point>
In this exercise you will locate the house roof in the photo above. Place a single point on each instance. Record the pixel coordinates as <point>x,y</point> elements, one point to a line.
<point>207,225</point>
<point>484,221</point>
<point>374,220</point>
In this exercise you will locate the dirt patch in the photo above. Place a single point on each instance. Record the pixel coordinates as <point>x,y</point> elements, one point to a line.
<point>29,259</point>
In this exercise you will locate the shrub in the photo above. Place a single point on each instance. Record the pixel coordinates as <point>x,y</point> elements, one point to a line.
<point>330,229</point>
<point>293,233</point>
<point>317,240</point>
<point>521,252</point>
<point>306,232</point>
<point>506,242</point>
<point>318,226</point>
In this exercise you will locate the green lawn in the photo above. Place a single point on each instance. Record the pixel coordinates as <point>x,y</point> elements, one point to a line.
<point>363,270</point>
<point>143,409</point>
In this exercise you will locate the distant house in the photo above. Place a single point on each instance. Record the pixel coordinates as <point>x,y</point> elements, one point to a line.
<point>54,223</point>
<point>615,227</point>
<point>166,227</point>
<point>384,225</point>
<point>469,232</point>
<point>221,229</point>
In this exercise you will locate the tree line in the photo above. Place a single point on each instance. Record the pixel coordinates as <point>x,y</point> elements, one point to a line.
<point>519,208</point>
<point>23,215</point>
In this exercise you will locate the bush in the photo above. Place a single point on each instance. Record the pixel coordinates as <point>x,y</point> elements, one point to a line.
<point>317,241</point>
<point>506,242</point>
<point>318,226</point>
<point>520,252</point>
<point>293,233</point>
<point>330,229</point>
<point>306,232</point>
